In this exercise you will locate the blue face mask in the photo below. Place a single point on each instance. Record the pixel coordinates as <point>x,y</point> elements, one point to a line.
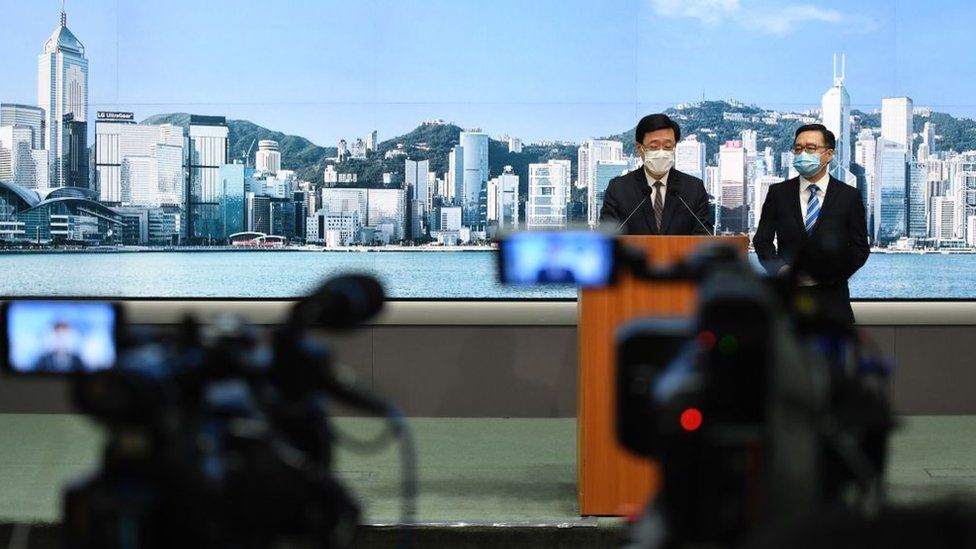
<point>807,163</point>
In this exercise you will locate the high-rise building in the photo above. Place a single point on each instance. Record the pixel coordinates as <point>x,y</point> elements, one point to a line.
<point>17,161</point>
<point>268,157</point>
<point>416,177</point>
<point>890,216</point>
<point>358,149</point>
<point>455,176</point>
<point>750,142</point>
<point>589,154</point>
<point>762,185</point>
<point>138,164</point>
<point>474,145</point>
<point>231,204</point>
<point>372,141</point>
<point>514,145</point>
<point>964,189</point>
<point>944,225</point>
<point>506,200</point>
<point>732,186</point>
<point>342,151</point>
<point>549,192</point>
<point>689,157</point>
<point>836,116</point>
<point>12,114</point>
<point>896,121</point>
<point>915,200</point>
<point>605,171</point>
<point>928,137</point>
<point>206,151</point>
<point>62,93</point>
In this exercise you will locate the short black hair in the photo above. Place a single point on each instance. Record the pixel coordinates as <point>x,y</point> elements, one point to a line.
<point>653,122</point>
<point>828,135</point>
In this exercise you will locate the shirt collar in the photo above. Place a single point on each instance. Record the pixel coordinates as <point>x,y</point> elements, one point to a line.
<point>651,180</point>
<point>821,183</point>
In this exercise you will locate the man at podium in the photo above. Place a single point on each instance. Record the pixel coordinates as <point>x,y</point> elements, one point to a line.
<point>657,199</point>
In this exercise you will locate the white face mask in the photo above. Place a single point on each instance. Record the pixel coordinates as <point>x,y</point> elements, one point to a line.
<point>659,161</point>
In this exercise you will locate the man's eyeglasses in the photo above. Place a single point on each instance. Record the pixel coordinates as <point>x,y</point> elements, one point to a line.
<point>658,147</point>
<point>797,149</point>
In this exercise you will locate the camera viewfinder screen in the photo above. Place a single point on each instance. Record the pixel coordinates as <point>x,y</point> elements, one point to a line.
<point>560,257</point>
<point>49,337</point>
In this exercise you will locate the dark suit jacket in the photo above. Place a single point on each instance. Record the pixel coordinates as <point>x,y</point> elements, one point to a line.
<point>836,249</point>
<point>626,191</point>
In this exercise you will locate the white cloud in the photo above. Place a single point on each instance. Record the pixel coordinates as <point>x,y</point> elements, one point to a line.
<point>767,16</point>
<point>706,11</point>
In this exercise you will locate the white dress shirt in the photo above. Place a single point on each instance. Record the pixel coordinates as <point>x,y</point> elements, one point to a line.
<point>664,186</point>
<point>805,183</point>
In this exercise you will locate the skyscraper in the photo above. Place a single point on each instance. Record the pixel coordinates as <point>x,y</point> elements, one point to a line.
<point>475,149</point>
<point>605,171</point>
<point>137,164</point>
<point>928,137</point>
<point>206,151</point>
<point>590,153</point>
<point>415,183</point>
<point>268,158</point>
<point>836,109</point>
<point>915,200</point>
<point>62,93</point>
<point>549,193</point>
<point>455,175</point>
<point>732,186</point>
<point>507,200</point>
<point>890,220</point>
<point>896,121</point>
<point>689,157</point>
<point>30,117</point>
<point>371,141</point>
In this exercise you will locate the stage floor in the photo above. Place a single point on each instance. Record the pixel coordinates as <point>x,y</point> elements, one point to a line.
<point>472,471</point>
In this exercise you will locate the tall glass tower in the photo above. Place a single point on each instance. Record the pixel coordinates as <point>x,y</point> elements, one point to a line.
<point>62,91</point>
<point>836,108</point>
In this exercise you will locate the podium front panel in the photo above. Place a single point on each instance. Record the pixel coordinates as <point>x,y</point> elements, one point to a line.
<point>613,481</point>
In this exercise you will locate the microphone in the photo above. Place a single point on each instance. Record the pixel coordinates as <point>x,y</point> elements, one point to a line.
<point>637,207</point>
<point>342,303</point>
<point>674,193</point>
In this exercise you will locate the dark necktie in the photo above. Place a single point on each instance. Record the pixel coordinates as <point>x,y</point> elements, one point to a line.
<point>658,204</point>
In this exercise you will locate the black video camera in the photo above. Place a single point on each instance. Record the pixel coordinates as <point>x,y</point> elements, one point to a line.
<point>758,411</point>
<point>218,435</point>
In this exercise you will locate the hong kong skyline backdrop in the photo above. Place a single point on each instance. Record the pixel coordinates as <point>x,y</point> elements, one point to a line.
<point>537,70</point>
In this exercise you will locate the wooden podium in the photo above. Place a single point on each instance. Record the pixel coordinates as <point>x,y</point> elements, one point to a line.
<point>612,481</point>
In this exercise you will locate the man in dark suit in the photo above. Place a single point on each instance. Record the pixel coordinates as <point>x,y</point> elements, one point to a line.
<point>818,224</point>
<point>656,198</point>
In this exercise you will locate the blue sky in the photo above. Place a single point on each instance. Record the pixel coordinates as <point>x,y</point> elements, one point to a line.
<point>538,69</point>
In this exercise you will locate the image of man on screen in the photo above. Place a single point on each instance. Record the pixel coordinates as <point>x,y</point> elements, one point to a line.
<point>61,350</point>
<point>657,199</point>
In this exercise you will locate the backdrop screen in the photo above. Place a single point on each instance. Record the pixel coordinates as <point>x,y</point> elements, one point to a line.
<point>241,149</point>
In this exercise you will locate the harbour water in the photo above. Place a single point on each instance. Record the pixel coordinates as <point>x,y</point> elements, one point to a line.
<point>410,275</point>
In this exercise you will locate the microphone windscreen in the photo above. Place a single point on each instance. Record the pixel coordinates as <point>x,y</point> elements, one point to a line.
<point>343,302</point>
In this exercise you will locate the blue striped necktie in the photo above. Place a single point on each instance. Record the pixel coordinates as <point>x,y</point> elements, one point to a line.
<point>813,208</point>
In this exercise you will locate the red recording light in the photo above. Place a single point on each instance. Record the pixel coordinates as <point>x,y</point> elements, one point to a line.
<point>706,340</point>
<point>691,419</point>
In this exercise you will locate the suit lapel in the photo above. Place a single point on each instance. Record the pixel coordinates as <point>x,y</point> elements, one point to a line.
<point>793,198</point>
<point>670,202</point>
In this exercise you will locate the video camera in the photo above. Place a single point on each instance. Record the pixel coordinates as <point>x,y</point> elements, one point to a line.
<point>758,410</point>
<point>218,435</point>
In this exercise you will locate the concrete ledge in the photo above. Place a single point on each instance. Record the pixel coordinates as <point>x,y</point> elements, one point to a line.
<point>520,313</point>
